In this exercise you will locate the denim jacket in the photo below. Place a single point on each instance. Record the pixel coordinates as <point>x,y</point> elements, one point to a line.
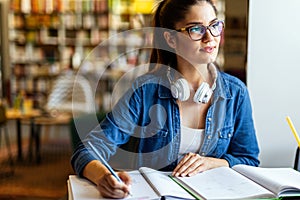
<point>143,129</point>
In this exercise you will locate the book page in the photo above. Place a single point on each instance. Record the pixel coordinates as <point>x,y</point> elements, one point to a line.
<point>281,181</point>
<point>83,189</point>
<point>224,183</point>
<point>163,184</point>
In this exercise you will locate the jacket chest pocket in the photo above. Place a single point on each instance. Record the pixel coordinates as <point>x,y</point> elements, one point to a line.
<point>157,133</point>
<point>224,137</point>
<point>153,140</point>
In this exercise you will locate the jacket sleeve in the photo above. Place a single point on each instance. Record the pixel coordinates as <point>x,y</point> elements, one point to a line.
<point>243,148</point>
<point>114,131</point>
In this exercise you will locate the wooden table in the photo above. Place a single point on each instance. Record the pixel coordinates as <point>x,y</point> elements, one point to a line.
<point>13,114</point>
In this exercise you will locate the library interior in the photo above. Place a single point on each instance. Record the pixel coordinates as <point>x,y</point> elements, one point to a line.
<point>66,59</point>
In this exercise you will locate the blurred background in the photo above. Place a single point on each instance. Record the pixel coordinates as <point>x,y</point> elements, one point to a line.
<point>53,52</point>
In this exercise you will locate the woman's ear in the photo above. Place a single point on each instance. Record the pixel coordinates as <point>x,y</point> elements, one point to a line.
<point>170,39</point>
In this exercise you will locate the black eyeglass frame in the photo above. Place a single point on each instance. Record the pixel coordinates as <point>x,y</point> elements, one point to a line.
<point>187,29</point>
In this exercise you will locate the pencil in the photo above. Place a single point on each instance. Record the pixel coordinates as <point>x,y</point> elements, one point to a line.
<point>103,161</point>
<point>288,119</point>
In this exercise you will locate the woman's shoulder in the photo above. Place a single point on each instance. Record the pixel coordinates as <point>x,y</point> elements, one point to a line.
<point>232,86</point>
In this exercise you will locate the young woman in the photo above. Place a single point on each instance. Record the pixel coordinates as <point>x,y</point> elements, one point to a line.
<point>184,115</point>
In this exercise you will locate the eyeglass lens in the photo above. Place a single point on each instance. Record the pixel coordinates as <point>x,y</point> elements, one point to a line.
<point>198,31</point>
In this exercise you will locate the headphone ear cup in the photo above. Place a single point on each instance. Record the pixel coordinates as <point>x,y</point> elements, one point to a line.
<point>203,93</point>
<point>180,89</point>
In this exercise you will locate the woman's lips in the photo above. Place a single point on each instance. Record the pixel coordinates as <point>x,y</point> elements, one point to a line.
<point>208,49</point>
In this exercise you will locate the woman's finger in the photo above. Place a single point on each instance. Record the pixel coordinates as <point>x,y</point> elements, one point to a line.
<point>179,165</point>
<point>192,164</point>
<point>109,186</point>
<point>183,166</point>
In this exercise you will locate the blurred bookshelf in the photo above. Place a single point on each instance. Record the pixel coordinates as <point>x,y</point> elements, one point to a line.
<point>236,37</point>
<point>45,34</point>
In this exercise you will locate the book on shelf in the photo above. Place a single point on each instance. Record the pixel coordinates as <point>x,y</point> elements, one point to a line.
<point>238,182</point>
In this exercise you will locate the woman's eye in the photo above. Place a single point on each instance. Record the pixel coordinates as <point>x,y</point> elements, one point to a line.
<point>196,29</point>
<point>217,25</point>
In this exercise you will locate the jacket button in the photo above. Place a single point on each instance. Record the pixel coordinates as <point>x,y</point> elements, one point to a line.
<point>165,134</point>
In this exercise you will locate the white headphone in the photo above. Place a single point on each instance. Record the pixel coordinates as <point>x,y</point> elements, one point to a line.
<point>181,91</point>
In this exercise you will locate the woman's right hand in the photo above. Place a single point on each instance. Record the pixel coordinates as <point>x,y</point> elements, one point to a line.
<point>110,187</point>
<point>107,184</point>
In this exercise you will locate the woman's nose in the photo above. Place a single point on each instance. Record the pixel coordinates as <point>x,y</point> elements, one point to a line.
<point>207,36</point>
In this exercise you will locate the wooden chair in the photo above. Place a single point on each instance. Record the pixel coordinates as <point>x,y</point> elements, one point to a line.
<point>35,135</point>
<point>70,94</point>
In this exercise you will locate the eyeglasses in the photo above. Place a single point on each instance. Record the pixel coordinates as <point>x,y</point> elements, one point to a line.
<point>196,32</point>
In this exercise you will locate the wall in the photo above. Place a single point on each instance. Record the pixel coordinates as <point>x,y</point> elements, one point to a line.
<point>273,76</point>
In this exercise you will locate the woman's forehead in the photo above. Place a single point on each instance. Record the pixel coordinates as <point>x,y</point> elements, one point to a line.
<point>202,13</point>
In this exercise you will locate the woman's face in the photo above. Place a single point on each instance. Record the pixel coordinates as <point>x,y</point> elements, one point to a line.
<point>202,51</point>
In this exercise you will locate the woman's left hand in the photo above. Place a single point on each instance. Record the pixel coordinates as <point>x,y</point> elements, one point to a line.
<point>192,163</point>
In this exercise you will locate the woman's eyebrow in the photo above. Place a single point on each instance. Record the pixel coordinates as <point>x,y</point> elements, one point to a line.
<point>195,23</point>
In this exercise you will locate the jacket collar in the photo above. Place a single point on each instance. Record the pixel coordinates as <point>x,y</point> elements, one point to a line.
<point>222,89</point>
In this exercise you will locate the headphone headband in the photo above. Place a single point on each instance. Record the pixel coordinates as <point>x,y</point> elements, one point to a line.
<point>214,73</point>
<point>180,88</point>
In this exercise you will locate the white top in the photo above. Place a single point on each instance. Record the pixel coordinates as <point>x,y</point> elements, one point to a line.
<point>191,140</point>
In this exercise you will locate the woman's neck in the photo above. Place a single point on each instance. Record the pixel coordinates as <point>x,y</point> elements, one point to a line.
<point>195,75</point>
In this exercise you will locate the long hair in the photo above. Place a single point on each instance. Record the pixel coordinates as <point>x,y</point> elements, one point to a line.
<point>166,15</point>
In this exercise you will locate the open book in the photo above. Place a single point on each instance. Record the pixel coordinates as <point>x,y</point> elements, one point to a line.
<point>239,182</point>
